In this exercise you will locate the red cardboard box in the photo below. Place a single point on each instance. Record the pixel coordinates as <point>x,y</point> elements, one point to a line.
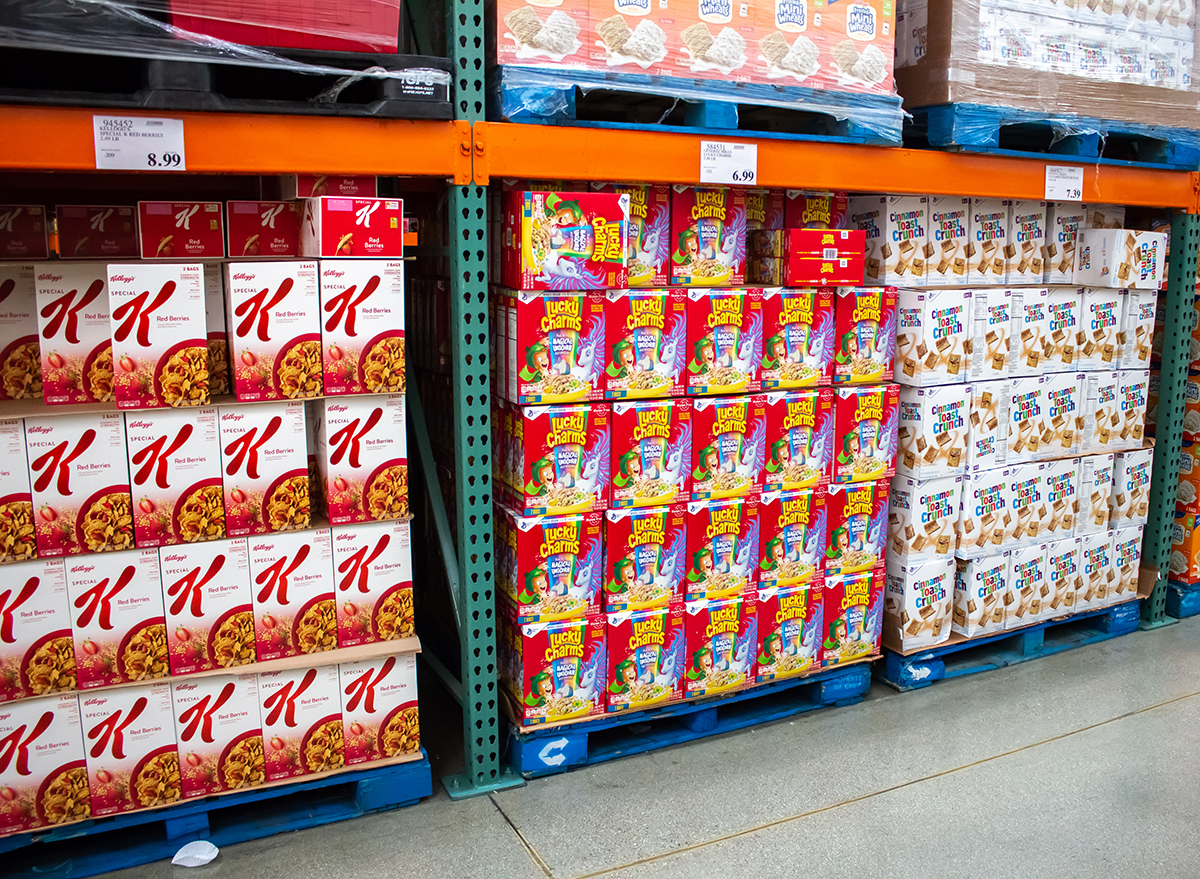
<point>708,236</point>
<point>652,452</point>
<point>866,424</point>
<point>563,460</point>
<point>20,354</point>
<point>857,517</point>
<point>646,343</point>
<point>794,527</point>
<point>728,446</point>
<point>555,346</point>
<point>647,656</point>
<point>352,227</point>
<point>722,637</point>
<point>799,335</point>
<point>722,547</point>
<point>551,566</point>
<point>293,186</point>
<point>554,671</point>
<point>853,616</point>
<point>24,232</point>
<point>97,232</point>
<point>566,240</point>
<point>790,630</point>
<point>799,442</point>
<point>649,231</point>
<point>865,335</point>
<point>824,257</point>
<point>724,341</point>
<point>815,210</point>
<point>188,230</point>
<point>260,229</point>
<point>643,557</point>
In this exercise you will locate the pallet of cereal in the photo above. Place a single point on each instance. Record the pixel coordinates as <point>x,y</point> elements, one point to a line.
<point>790,630</point>
<point>722,547</point>
<point>799,337</point>
<point>799,443</point>
<point>218,727</point>
<point>721,637</point>
<point>917,603</point>
<point>647,656</point>
<point>853,616</point>
<point>301,721</point>
<point>652,452</point>
<point>47,784</point>
<point>724,340</point>
<point>866,424</point>
<point>728,446</point>
<point>644,557</point>
<point>379,708</point>
<point>646,341</point>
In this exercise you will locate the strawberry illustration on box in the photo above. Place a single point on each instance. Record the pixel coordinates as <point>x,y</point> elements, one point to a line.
<point>647,656</point>
<point>219,734</point>
<point>865,335</point>
<point>799,441</point>
<point>728,446</point>
<point>554,670</point>
<point>556,346</point>
<point>551,567</point>
<point>790,630</point>
<point>799,331</point>
<point>857,527</point>
<point>722,547</point>
<point>301,721</point>
<point>564,459</point>
<point>206,592</point>
<point>853,616</point>
<point>42,770</point>
<point>644,557</point>
<point>722,640</point>
<point>794,526</point>
<point>724,341</point>
<point>867,423</point>
<point>646,337</point>
<point>652,440</point>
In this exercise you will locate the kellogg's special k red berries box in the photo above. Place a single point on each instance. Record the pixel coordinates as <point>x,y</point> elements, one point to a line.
<point>189,230</point>
<point>75,337</point>
<point>96,231</point>
<point>554,670</point>
<point>292,587</point>
<point>352,227</point>
<point>362,458</point>
<point>18,538</point>
<point>644,557</point>
<point>646,343</point>
<point>551,566</point>
<point>264,459</point>
<point>42,768</point>
<point>373,571</point>
<point>25,232</point>
<point>651,452</point>
<point>20,356</point>
<point>647,656</point>
<point>263,228</point>
<point>724,341</point>
<point>362,326</point>
<point>566,240</point>
<point>36,649</point>
<point>218,730</point>
<point>301,721</point>
<point>206,594</point>
<point>379,708</point>
<point>799,337</point>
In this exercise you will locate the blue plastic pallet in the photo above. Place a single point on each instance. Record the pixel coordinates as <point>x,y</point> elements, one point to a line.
<point>1183,599</point>
<point>119,841</point>
<point>539,751</point>
<point>1006,131</point>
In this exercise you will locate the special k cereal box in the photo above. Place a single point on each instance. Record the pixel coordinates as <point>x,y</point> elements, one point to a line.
<point>986,521</point>
<point>372,565</point>
<point>799,337</point>
<point>80,484</point>
<point>728,446</point>
<point>96,231</point>
<point>1064,219</point>
<point>554,670</point>
<point>991,313</point>
<point>1127,557</point>
<point>301,721</point>
<point>1065,404</point>
<point>864,335</point>
<point>264,468</point>
<point>647,656</point>
<point>987,445</point>
<point>708,236</point>
<point>175,476</point>
<point>866,424</point>
<point>25,232</point>
<point>263,229</point>
<point>352,227</point>
<point>217,337</point>
<point>1064,313</point>
<point>18,538</point>
<point>556,346</point>
<point>1098,333</point>
<point>766,208</point>
<point>897,228</point>
<point>42,765</point>
<point>1134,384</point>
<point>986,262</point>
<point>362,458</point>
<point>853,616</point>
<point>646,342</point>
<point>1095,493</point>
<point>20,356</point>
<point>1062,577</point>
<point>1027,497</point>
<point>1026,237</point>
<point>132,758</point>
<point>184,230</point>
<point>117,618</point>
<point>1059,511</point>
<point>857,527</point>
<point>794,528</point>
<point>937,420</point>
<point>799,443</point>
<point>933,336</point>
<point>790,630</point>
<point>1131,487</point>
<point>721,643</point>
<point>644,557</point>
<point>949,233</point>
<point>651,452</point>
<point>218,730</point>
<point>551,566</point>
<point>981,596</point>
<point>294,186</point>
<point>566,240</point>
<point>923,518</point>
<point>917,603</point>
<point>649,223</point>
<point>273,313</point>
<point>1026,412</point>
<point>1030,329</point>
<point>362,326</point>
<point>563,459</point>
<point>1029,579</point>
<point>206,594</point>
<point>1137,328</point>
<point>36,650</point>
<point>379,708</point>
<point>1096,572</point>
<point>292,586</point>
<point>725,345</point>
<point>722,547</point>
<point>75,338</point>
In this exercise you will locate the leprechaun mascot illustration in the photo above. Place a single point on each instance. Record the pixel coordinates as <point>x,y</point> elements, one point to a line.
<point>625,676</point>
<point>541,688</point>
<point>781,455</point>
<point>772,649</point>
<point>706,357</point>
<point>537,363</point>
<point>702,664</point>
<point>837,634</point>
<point>839,543</point>
<point>702,565</point>
<point>847,348</point>
<point>774,353</point>
<point>562,215</point>
<point>851,449</point>
<point>773,554</point>
<point>709,464</point>
<point>537,584</point>
<point>624,573</point>
<point>543,477</point>
<point>629,468</point>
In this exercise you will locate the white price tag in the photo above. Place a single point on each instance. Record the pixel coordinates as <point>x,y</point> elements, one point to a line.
<point>735,163</point>
<point>135,143</point>
<point>1064,183</point>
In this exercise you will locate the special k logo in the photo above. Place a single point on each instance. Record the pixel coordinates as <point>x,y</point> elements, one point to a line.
<point>275,578</point>
<point>345,305</point>
<point>245,448</point>
<point>189,589</point>
<point>9,604</point>
<point>6,288</point>
<point>258,308</point>
<point>269,215</point>
<point>199,716</point>
<point>135,311</point>
<point>347,439</point>
<point>362,688</point>
<point>362,217</point>
<point>96,220</point>
<point>6,219</point>
<point>16,744</point>
<point>183,219</point>
<point>283,700</point>
<point>99,598</point>
<point>358,566</point>
<point>112,728</point>
<point>65,309</point>
<point>59,459</point>
<point>156,456</point>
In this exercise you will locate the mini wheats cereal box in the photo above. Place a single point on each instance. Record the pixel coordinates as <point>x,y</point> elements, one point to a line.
<point>647,656</point>
<point>864,335</point>
<point>949,233</point>
<point>551,566</point>
<point>42,768</point>
<point>857,527</point>
<point>292,586</point>
<point>725,342</point>
<point>20,356</point>
<point>218,730</point>
<point>649,231</point>
<point>181,230</point>
<point>379,708</point>
<point>794,530</point>
<point>1030,331</point>
<point>708,236</point>
<point>18,539</point>
<point>722,644</point>
<point>1134,383</point>
<point>1137,328</point>
<point>175,475</point>
<point>37,656</point>
<point>206,593</point>
<point>866,426</point>
<point>1101,412</point>
<point>1100,326</point>
<point>1064,392</point>
<point>1027,498</point>
<point>728,446</point>
<point>935,332</point>
<point>1026,236</point>
<point>1095,493</point>
<point>1026,412</point>
<point>917,603</point>
<point>264,476</point>
<point>644,557</point>
<point>986,261</point>
<point>75,336</point>
<point>558,669</point>
<point>556,346</point>
<point>273,312</point>
<point>373,571</point>
<point>362,326</point>
<point>1096,570</point>
<point>567,240</point>
<point>647,343</point>
<point>1062,573</point>
<point>362,458</point>
<point>1064,309</point>
<point>987,445</point>
<point>563,460</point>
<point>986,520</point>
<point>991,313</point>
<point>722,547</point>
<point>1131,487</point>
<point>798,351</point>
<point>934,429</point>
<point>132,758</point>
<point>923,518</point>
<point>799,443</point>
<point>80,484</point>
<point>1127,557</point>
<point>652,452</point>
<point>1030,585</point>
<point>301,721</point>
<point>790,630</point>
<point>853,616</point>
<point>981,596</point>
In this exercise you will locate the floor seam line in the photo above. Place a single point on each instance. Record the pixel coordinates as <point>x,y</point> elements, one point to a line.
<point>537,859</point>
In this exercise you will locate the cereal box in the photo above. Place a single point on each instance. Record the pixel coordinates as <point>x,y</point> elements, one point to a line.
<point>933,334</point>
<point>647,656</point>
<point>75,337</point>
<point>934,427</point>
<point>646,339</point>
<point>799,332</point>
<point>175,475</point>
<point>1026,413</point>
<point>866,423</point>
<point>722,637</point>
<point>556,346</point>
<point>132,760</point>
<point>1059,509</point>
<point>986,521</point>
<point>557,670</point>
<point>1185,549</point>
<point>1098,334</point>
<point>1062,577</point>
<point>992,316</point>
<point>1029,579</point>
<point>42,767</point>
<point>649,226</point>
<point>1027,497</point>
<point>1095,493</point>
<point>206,593</point>
<point>36,649</point>
<point>80,484</point>
<point>708,236</point>
<point>949,233</point>
<point>1152,402</point>
<point>794,528</point>
<point>1131,487</point>
<point>652,456</point>
<point>814,210</point>
<point>1186,498</point>
<point>1064,314</point>
<point>917,603</point>
<point>352,227</point>
<point>24,232</point>
<point>567,241</point>
<point>765,209</point>
<point>191,230</point>
<point>292,585</point>
<point>1103,216</point>
<point>722,547</point>
<point>551,566</point>
<point>373,571</point>
<point>1106,258</point>
<point>264,475</point>
<point>790,630</point>
<point>294,186</point>
<point>799,442</point>
<point>117,618</point>
<point>528,33</point>
<point>725,343</point>
<point>218,730</point>
<point>923,518</point>
<point>804,257</point>
<point>1096,572</point>
<point>987,445</point>
<point>1149,261</point>
<point>1137,327</point>
<point>857,517</point>
<point>18,539</point>
<point>217,337</point>
<point>1132,407</point>
<point>981,596</point>
<point>984,252</point>
<point>1064,406</point>
<point>644,557</point>
<point>1064,219</point>
<point>896,228</point>
<point>20,356</point>
<point>273,315</point>
<point>379,708</point>
<point>1101,411</point>
<point>1127,557</point>
<point>864,335</point>
<point>362,326</point>
<point>362,458</point>
<point>728,446</point>
<point>1030,329</point>
<point>853,616</point>
<point>563,459</point>
<point>263,228</point>
<point>301,721</point>
<point>1023,245</point>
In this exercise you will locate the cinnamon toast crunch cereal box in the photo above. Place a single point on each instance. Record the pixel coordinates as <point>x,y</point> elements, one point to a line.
<point>934,329</point>
<point>20,356</point>
<point>917,603</point>
<point>1101,427</point>
<point>1027,497</point>
<point>646,339</point>
<point>1023,248</point>
<point>722,547</point>
<point>1096,572</point>
<point>1064,312</point>
<point>379,708</point>
<point>644,557</point>
<point>936,421</point>
<point>987,445</point>
<point>1062,573</point>
<point>218,727</point>
<point>1030,328</point>
<point>1132,472</point>
<point>722,637</point>
<point>1134,385</point>
<point>1061,506</point>
<point>799,443</point>
<point>991,313</point>
<point>1029,579</point>
<point>649,230</point>
<point>981,596</point>
<point>43,768</point>
<point>986,262</point>
<point>1064,219</point>
<point>799,337</point>
<point>985,521</point>
<point>556,346</point>
<point>866,424</point>
<point>1097,336</point>
<point>36,650</point>
<point>708,236</point>
<point>897,228</point>
<point>864,335</point>
<point>566,240</point>
<point>75,338</point>
<point>949,232</point>
<point>794,528</point>
<point>132,758</point>
<point>556,670</point>
<point>1137,328</point>
<point>1095,493</point>
<point>564,459</point>
<point>724,341</point>
<point>652,452</point>
<point>790,630</point>
<point>857,517</point>
<point>551,566</point>
<point>853,616</point>
<point>1127,557</point>
<point>1064,396</point>
<point>647,656</point>
<point>1026,413</point>
<point>729,436</point>
<point>923,518</point>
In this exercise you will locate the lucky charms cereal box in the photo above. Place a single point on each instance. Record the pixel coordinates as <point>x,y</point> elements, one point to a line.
<point>790,630</point>
<point>853,616</point>
<point>728,446</point>
<point>556,346</point>
<point>708,236</point>
<point>644,557</point>
<point>799,444</point>
<point>563,461</point>
<point>722,547</point>
<point>867,422</point>
<point>566,240</point>
<point>551,566</point>
<point>649,227</point>
<point>864,335</point>
<point>554,670</point>
<point>857,527</point>
<point>647,656</point>
<point>722,640</point>
<point>646,343</point>
<point>724,341</point>
<point>799,336</point>
<point>794,527</point>
<point>652,452</point>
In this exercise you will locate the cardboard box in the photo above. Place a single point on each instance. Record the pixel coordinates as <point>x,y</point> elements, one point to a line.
<point>1127,558</point>
<point>649,230</point>
<point>1057,513</point>
<point>1030,329</point>
<point>294,186</point>
<point>362,458</point>
<point>1064,219</point>
<point>1064,311</point>
<point>866,422</point>
<point>864,335</point>
<point>986,520</point>
<point>766,208</point>
<point>25,232</point>
<point>264,476</point>
<point>1065,396</point>
<point>790,630</point>
<point>805,209</point>
<point>1098,337</point>
<point>647,656</point>
<point>1104,216</point>
<point>992,315</point>
<point>37,651</point>
<point>981,596</point>
<point>370,228</point>
<point>1096,559</point>
<point>646,346</point>
<point>293,592</point>
<point>580,239</point>
<point>1026,414</point>
<point>937,420</point>
<point>724,333</point>
<point>799,442</point>
<point>551,566</point>
<point>722,547</point>
<point>559,340</point>
<point>132,758</point>
<point>373,571</point>
<point>794,528</point>
<point>218,729</point>
<point>853,616</point>
<point>728,446</point>
<point>362,326</point>
<point>562,459</point>
<point>1131,487</point>
<point>987,437</point>
<point>20,356</point>
<point>1149,261</point>
<point>379,708</point>
<point>206,594</point>
<point>651,452</point>
<point>708,237</point>
<point>1101,412</point>
<point>1062,570</point>
<point>258,229</point>
<point>1029,579</point>
<point>47,782</point>
<point>1095,493</point>
<point>1185,549</point>
<point>18,528</point>
<point>799,333</point>
<point>644,557</point>
<point>301,721</point>
<point>986,259</point>
<point>556,670</point>
<point>1132,408</point>
<point>217,335</point>
<point>721,635</point>
<point>934,334</point>
<point>186,230</point>
<point>857,527</point>
<point>1138,309</point>
<point>923,519</point>
<point>949,233</point>
<point>1106,258</point>
<point>821,257</point>
<point>75,337</point>
<point>1026,496</point>
<point>922,593</point>
<point>1026,236</point>
<point>96,232</point>
<point>896,228</point>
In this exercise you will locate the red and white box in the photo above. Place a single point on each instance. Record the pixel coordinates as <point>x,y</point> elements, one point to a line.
<point>301,721</point>
<point>379,708</point>
<point>362,458</point>
<point>257,229</point>
<point>96,231</point>
<point>132,759</point>
<point>373,570</point>
<point>20,356</point>
<point>272,311</point>
<point>42,770</point>
<point>352,227</point>
<point>24,232</point>
<point>264,468</point>
<point>36,652</point>
<point>362,326</point>
<point>292,587</point>
<point>206,595</point>
<point>317,185</point>
<point>214,317</point>
<point>218,729</point>
<point>80,483</point>
<point>18,538</point>
<point>75,336</point>
<point>191,230</point>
